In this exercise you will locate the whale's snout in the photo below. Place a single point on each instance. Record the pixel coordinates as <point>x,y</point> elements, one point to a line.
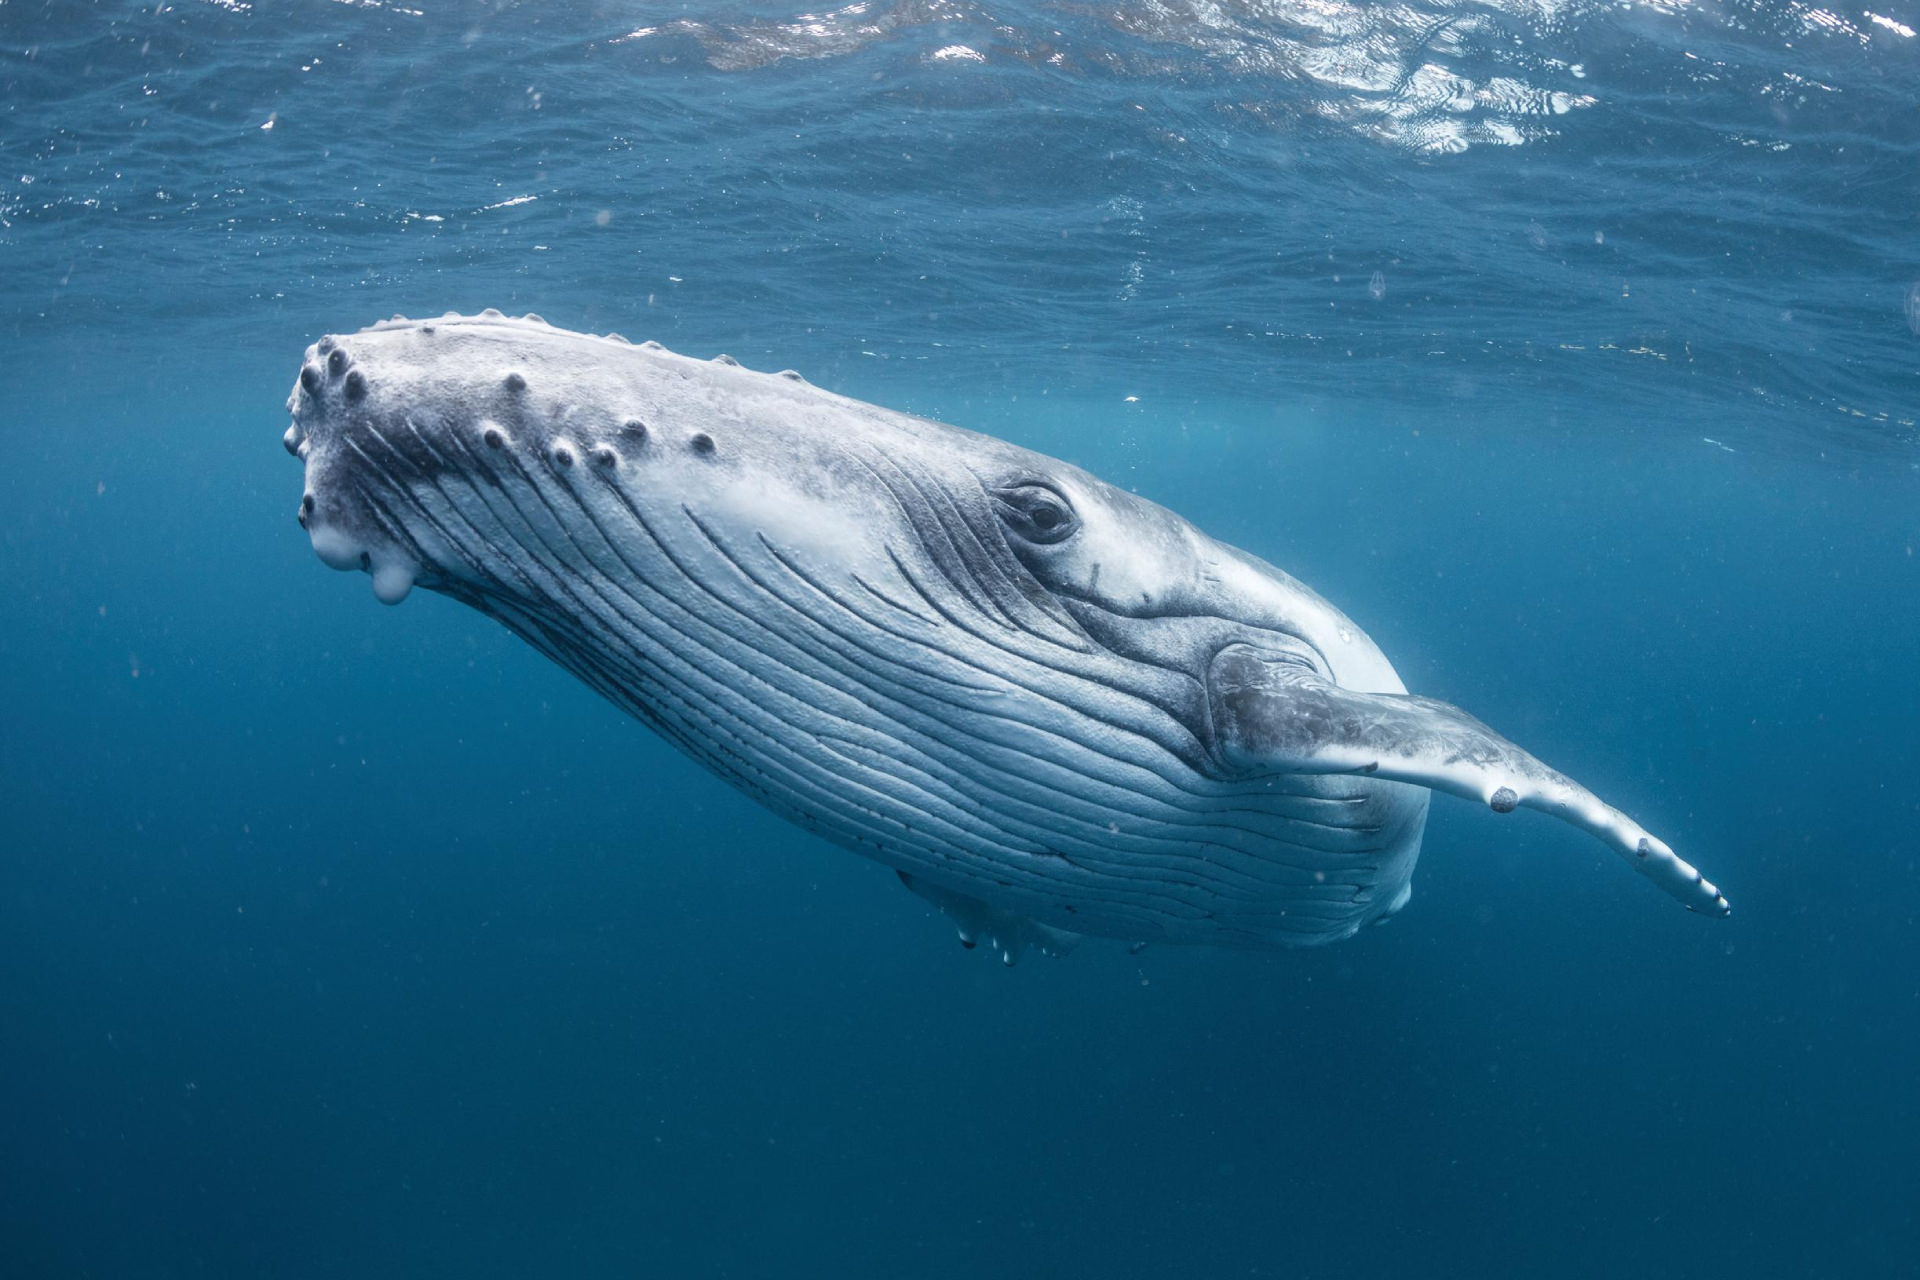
<point>339,429</point>
<point>444,452</point>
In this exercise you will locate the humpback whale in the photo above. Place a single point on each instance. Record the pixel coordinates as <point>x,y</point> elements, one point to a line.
<point>1054,708</point>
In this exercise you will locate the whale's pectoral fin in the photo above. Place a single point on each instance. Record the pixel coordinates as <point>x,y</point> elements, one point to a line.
<point>1274,710</point>
<point>1010,935</point>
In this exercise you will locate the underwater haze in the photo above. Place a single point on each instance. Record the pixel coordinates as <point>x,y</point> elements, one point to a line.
<point>1572,349</point>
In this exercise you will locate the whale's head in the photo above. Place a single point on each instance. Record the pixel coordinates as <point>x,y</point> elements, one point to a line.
<point>570,484</point>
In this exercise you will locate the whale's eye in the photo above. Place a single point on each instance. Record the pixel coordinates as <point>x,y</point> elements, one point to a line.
<point>1036,512</point>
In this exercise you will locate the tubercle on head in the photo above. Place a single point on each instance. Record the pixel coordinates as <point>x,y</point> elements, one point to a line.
<point>331,376</point>
<point>494,318</point>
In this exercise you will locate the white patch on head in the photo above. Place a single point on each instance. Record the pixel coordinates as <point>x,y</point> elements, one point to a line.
<point>825,529</point>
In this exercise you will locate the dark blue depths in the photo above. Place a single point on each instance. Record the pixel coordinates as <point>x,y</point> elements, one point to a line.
<point>339,940</point>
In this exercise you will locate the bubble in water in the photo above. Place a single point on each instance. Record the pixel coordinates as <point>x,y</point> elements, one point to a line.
<point>1913,308</point>
<point>1377,286</point>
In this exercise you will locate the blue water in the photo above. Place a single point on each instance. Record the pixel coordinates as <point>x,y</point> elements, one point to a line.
<point>1573,349</point>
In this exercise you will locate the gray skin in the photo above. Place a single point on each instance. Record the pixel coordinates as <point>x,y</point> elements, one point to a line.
<point>1053,707</point>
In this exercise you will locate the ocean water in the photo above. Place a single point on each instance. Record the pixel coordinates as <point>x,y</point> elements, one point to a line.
<point>1572,348</point>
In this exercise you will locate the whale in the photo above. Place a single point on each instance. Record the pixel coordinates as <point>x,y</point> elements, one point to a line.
<point>1055,709</point>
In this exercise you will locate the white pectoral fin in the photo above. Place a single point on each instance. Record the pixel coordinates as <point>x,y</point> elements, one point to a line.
<point>1275,710</point>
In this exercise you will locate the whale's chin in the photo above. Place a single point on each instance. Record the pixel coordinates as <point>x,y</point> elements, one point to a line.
<point>393,574</point>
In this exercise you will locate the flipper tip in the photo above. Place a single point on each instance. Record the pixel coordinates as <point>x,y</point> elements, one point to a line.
<point>1679,878</point>
<point>1719,908</point>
